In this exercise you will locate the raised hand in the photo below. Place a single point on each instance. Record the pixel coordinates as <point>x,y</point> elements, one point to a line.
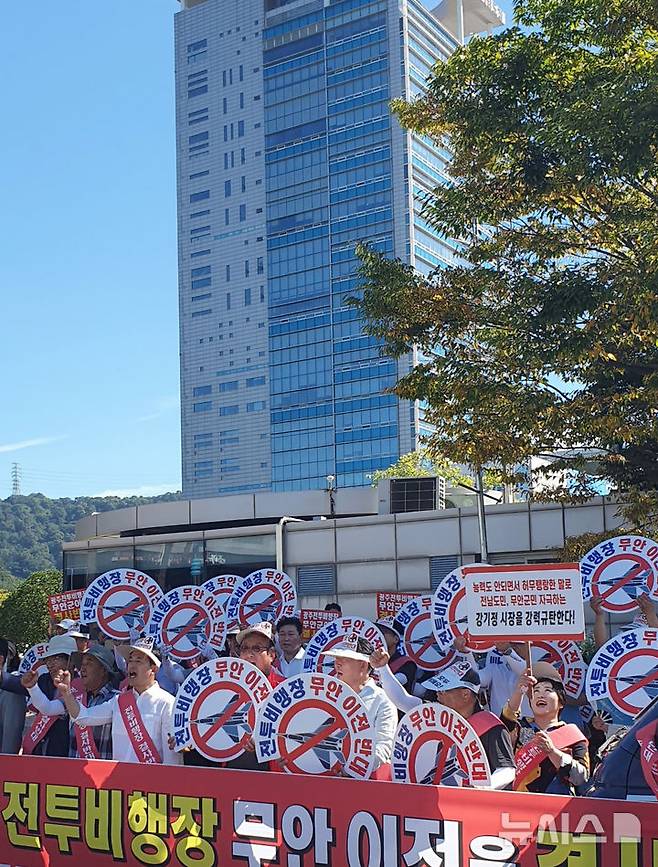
<point>526,682</point>
<point>62,681</point>
<point>595,603</point>
<point>29,680</point>
<point>379,658</point>
<point>460,644</point>
<point>544,742</point>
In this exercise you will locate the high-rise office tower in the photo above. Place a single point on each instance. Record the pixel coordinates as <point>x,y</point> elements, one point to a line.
<point>287,157</point>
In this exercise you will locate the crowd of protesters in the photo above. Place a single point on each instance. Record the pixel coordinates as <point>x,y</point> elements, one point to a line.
<point>94,699</point>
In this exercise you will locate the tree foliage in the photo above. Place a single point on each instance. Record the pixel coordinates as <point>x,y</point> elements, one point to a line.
<point>24,613</point>
<point>421,464</point>
<point>543,339</point>
<point>33,528</point>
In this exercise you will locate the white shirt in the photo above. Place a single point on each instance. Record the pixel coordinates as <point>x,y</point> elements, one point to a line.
<point>500,675</point>
<point>295,666</point>
<point>383,718</point>
<point>155,706</point>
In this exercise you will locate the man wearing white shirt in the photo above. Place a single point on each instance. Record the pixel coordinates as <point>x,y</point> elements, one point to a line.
<point>352,664</point>
<point>500,674</point>
<point>141,717</point>
<point>291,658</point>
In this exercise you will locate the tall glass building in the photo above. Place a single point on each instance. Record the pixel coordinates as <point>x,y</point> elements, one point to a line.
<point>287,157</point>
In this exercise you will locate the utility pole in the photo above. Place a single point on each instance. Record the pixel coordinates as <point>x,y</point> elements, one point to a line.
<point>482,518</point>
<point>15,480</point>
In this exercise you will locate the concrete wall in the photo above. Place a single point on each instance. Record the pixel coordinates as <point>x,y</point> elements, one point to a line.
<point>388,552</point>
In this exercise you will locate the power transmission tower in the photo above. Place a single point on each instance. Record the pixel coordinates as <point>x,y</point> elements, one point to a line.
<point>15,480</point>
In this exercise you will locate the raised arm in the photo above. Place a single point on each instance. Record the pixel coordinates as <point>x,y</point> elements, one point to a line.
<point>391,685</point>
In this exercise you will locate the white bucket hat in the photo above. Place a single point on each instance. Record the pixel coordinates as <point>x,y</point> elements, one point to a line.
<point>61,645</point>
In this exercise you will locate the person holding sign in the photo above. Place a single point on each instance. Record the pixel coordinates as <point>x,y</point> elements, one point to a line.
<point>458,688</point>
<point>401,666</point>
<point>48,734</point>
<point>646,616</point>
<point>141,716</point>
<point>95,687</point>
<point>552,756</point>
<point>353,667</point>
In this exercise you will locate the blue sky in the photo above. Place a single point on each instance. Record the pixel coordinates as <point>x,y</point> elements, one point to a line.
<point>89,400</point>
<point>89,341</point>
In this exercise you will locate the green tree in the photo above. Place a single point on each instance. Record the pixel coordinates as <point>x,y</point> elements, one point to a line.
<point>33,527</point>
<point>24,613</point>
<point>545,339</point>
<point>421,464</point>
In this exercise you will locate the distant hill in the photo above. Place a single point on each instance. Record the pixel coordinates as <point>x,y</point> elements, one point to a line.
<point>32,528</point>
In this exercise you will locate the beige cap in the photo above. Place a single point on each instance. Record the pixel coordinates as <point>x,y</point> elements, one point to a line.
<point>262,628</point>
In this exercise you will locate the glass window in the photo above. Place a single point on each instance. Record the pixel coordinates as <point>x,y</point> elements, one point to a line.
<point>240,556</point>
<point>172,563</point>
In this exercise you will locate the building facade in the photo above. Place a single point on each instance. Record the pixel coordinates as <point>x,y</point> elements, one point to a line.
<point>367,547</point>
<point>287,156</point>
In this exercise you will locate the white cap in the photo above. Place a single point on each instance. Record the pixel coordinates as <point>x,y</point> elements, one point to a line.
<point>262,628</point>
<point>67,623</point>
<point>348,649</point>
<point>460,674</point>
<point>142,645</point>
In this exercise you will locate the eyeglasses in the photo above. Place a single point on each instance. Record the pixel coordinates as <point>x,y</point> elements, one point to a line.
<point>258,648</point>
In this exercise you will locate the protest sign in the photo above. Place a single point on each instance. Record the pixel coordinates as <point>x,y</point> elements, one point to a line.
<point>388,604</point>
<point>334,633</point>
<point>97,813</point>
<point>314,619</point>
<point>32,656</point>
<point>61,605</point>
<point>315,724</point>
<point>618,570</point>
<point>436,745</point>
<point>449,615</point>
<point>222,586</point>
<point>215,710</point>
<point>121,602</point>
<point>415,617</point>
<point>623,674</point>
<point>186,619</point>
<point>262,595</point>
<point>524,602</point>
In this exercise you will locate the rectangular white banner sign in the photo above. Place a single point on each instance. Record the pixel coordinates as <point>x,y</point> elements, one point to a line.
<point>525,602</point>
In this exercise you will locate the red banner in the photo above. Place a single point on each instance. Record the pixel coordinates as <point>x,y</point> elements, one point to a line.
<point>314,619</point>
<point>67,604</point>
<point>67,811</point>
<point>388,604</point>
